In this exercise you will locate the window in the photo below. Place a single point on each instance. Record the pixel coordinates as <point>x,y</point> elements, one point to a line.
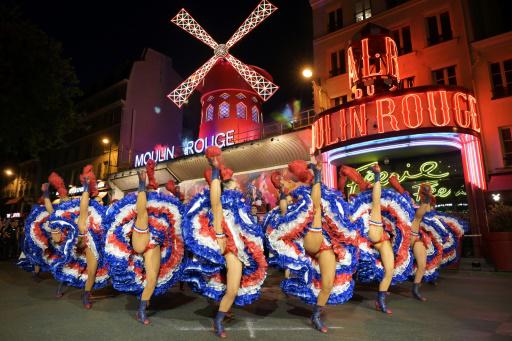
<point>224,96</point>
<point>445,76</point>
<point>241,110</point>
<point>408,82</point>
<point>439,28</point>
<point>209,113</point>
<point>240,96</point>
<point>402,38</point>
<point>363,10</point>
<point>255,114</point>
<point>210,98</point>
<point>337,63</point>
<point>224,110</point>
<point>506,144</point>
<point>340,100</point>
<point>501,79</point>
<point>335,20</point>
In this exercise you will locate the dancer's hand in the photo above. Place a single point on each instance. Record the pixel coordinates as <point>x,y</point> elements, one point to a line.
<point>142,175</point>
<point>222,244</point>
<point>376,168</point>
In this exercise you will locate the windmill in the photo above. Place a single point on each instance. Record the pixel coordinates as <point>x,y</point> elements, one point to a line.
<point>259,83</point>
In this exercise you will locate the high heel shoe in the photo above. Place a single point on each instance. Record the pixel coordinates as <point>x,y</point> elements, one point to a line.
<point>380,304</point>
<point>217,325</point>
<point>86,299</point>
<point>416,292</point>
<point>317,321</point>
<point>141,313</point>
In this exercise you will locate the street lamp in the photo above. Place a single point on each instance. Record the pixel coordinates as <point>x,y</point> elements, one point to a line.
<point>9,172</point>
<point>106,141</point>
<point>307,73</point>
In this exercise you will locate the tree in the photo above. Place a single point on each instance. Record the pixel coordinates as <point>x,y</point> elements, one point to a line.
<point>37,89</point>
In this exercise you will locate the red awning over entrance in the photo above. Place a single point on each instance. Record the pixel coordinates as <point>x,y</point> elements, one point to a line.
<point>500,182</point>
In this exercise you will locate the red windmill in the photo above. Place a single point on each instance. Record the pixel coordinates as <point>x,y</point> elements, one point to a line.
<point>232,91</point>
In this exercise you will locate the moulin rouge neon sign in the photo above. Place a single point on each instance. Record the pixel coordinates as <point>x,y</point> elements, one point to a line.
<point>411,110</point>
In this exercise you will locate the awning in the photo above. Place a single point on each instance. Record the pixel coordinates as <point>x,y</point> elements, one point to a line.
<point>13,201</point>
<point>253,155</point>
<point>500,182</point>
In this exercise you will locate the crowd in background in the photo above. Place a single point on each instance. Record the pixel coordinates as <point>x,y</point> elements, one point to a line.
<point>11,238</point>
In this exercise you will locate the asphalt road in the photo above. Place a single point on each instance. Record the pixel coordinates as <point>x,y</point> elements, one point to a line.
<point>463,306</point>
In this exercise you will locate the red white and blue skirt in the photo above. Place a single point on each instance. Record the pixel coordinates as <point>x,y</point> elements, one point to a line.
<point>397,214</point>
<point>432,233</point>
<point>455,229</point>
<point>205,269</point>
<point>126,267</point>
<point>38,247</point>
<point>71,269</point>
<point>285,238</point>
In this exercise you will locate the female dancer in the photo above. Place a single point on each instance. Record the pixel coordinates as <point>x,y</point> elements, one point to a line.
<point>228,264</point>
<point>79,225</point>
<point>385,217</point>
<point>314,239</point>
<point>379,238</point>
<point>144,246</point>
<point>43,245</point>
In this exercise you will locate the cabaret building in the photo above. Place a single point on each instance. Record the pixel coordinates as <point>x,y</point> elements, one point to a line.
<point>395,82</point>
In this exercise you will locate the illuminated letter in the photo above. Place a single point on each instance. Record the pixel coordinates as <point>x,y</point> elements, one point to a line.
<point>148,156</point>
<point>318,136</point>
<point>169,153</point>
<point>139,160</point>
<point>189,148</point>
<point>389,113</point>
<point>196,148</point>
<point>328,130</point>
<point>343,125</point>
<point>370,90</point>
<point>365,57</point>
<point>222,141</point>
<point>463,122</point>
<point>352,68</point>
<point>392,58</point>
<point>360,120</point>
<point>474,114</point>
<point>406,111</point>
<point>445,110</point>
<point>230,137</point>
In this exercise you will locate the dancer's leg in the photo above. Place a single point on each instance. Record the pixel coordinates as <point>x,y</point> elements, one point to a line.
<point>420,254</point>
<point>141,239</point>
<point>233,277</point>
<point>92,267</point>
<point>327,262</point>
<point>152,267</point>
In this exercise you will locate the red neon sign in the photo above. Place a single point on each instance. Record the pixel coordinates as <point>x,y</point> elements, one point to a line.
<point>405,112</point>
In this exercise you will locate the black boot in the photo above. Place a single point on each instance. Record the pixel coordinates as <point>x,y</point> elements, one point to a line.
<point>217,325</point>
<point>86,299</point>
<point>141,313</point>
<point>317,321</point>
<point>416,292</point>
<point>380,304</point>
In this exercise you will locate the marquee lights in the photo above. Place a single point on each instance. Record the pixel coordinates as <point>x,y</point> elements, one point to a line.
<point>409,111</point>
<point>262,86</point>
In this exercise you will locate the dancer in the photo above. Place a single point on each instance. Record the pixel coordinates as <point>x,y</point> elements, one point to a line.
<point>313,238</point>
<point>228,263</point>
<point>418,245</point>
<point>43,246</point>
<point>385,219</point>
<point>79,225</point>
<point>144,245</point>
<point>379,238</point>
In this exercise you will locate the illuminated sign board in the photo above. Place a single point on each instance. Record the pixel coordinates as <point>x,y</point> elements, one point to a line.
<point>426,172</point>
<point>434,107</point>
<point>164,153</point>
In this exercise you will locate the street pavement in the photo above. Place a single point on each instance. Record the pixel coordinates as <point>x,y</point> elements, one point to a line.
<point>464,305</point>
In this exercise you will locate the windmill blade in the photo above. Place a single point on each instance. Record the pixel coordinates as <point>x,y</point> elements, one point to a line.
<point>260,84</point>
<point>183,91</point>
<point>260,13</point>
<point>184,20</point>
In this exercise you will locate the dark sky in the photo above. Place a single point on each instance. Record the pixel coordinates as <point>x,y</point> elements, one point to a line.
<point>101,36</point>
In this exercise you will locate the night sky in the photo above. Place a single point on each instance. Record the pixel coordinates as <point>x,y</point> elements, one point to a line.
<point>103,36</point>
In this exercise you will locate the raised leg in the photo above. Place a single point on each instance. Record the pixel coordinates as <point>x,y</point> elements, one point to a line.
<point>140,235</point>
